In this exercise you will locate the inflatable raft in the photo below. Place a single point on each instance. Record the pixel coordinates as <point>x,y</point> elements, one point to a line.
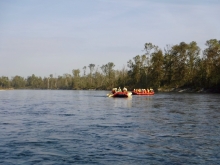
<point>119,93</point>
<point>142,93</point>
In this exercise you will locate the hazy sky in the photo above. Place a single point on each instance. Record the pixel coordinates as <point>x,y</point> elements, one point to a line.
<point>45,37</point>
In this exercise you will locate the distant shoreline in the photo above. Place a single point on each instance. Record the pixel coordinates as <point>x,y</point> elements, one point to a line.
<point>188,90</point>
<point>167,90</point>
<point>4,89</point>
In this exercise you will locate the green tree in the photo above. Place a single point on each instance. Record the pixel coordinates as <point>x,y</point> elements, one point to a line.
<point>33,82</point>
<point>156,72</point>
<point>76,78</point>
<point>137,72</point>
<point>192,63</point>
<point>110,75</point>
<point>18,82</point>
<point>212,63</point>
<point>180,70</point>
<point>84,70</point>
<point>122,78</point>
<point>91,68</point>
<point>4,82</point>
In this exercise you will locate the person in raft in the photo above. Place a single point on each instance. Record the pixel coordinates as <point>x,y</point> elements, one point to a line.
<point>114,90</point>
<point>125,89</point>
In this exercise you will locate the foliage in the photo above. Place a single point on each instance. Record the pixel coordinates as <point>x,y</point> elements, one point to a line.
<point>180,65</point>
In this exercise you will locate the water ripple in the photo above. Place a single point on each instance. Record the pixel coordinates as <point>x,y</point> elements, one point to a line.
<point>86,127</point>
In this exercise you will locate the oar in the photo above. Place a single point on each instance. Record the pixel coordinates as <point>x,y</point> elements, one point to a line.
<point>109,95</point>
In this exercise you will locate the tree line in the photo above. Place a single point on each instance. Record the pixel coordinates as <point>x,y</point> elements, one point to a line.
<point>183,65</point>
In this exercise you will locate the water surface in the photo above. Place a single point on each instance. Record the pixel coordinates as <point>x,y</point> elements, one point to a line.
<point>86,127</point>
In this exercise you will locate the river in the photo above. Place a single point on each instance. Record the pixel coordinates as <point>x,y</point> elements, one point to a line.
<point>86,127</point>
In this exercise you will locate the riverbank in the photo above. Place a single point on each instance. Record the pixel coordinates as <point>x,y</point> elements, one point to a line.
<point>165,90</point>
<point>189,90</point>
<point>4,89</point>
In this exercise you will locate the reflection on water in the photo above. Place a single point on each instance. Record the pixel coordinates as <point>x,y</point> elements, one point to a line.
<point>86,127</point>
<point>122,102</point>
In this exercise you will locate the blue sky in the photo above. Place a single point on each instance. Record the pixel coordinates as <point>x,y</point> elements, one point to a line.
<point>55,36</point>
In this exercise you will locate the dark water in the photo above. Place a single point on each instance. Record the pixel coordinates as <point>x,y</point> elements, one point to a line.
<point>86,127</point>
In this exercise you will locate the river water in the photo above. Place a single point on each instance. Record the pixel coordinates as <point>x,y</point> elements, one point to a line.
<point>86,127</point>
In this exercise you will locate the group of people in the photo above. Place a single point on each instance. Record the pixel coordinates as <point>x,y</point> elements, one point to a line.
<point>114,90</point>
<point>143,90</point>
